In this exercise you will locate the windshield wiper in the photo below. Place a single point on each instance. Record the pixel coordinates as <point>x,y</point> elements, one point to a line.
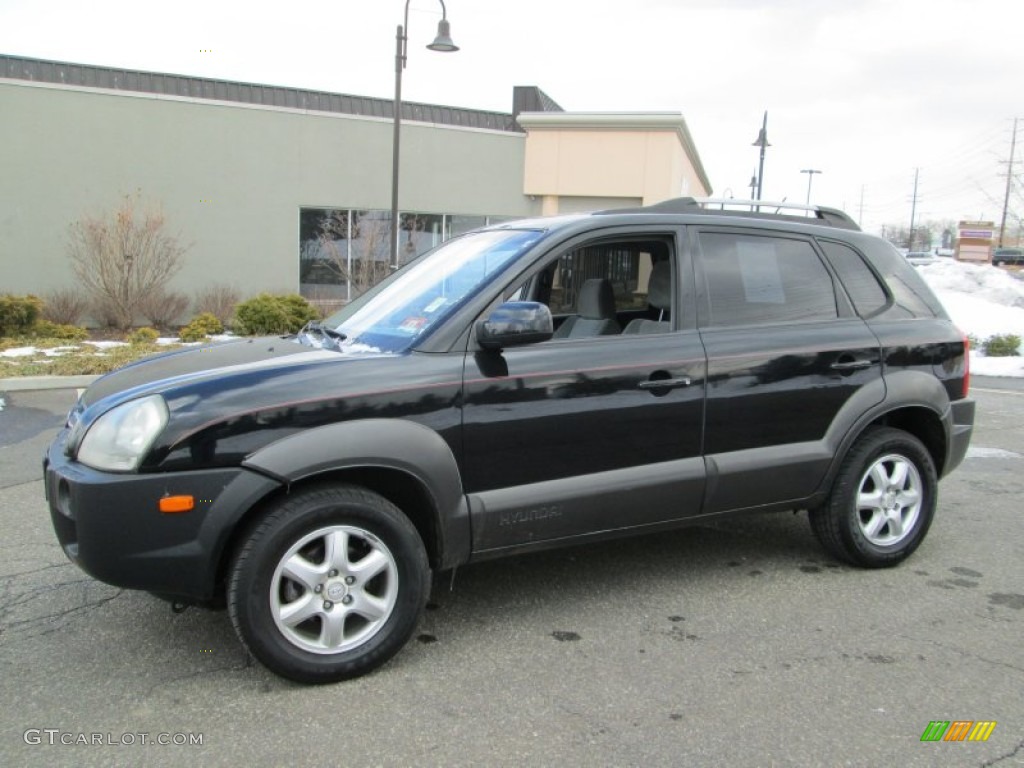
<point>329,335</point>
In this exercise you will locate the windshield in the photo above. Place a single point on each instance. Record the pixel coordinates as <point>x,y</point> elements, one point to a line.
<point>406,307</point>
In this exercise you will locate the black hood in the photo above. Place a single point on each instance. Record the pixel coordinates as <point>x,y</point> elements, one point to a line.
<point>202,362</point>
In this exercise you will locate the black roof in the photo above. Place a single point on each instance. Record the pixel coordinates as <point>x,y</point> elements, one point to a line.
<point>89,76</point>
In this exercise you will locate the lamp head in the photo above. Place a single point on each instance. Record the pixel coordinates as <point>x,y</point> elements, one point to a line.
<point>443,41</point>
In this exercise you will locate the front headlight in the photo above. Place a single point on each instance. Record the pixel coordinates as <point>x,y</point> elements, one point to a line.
<point>119,439</point>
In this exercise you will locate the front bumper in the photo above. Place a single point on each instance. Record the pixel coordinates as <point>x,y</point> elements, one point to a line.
<point>110,525</point>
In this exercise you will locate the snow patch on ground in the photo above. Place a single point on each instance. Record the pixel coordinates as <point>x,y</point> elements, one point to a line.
<point>107,344</point>
<point>58,351</point>
<point>18,352</point>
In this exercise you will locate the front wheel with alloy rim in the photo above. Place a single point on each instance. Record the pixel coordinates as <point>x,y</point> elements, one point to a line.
<point>329,585</point>
<point>882,500</point>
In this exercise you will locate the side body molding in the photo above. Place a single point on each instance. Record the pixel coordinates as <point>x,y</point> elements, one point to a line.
<point>395,444</point>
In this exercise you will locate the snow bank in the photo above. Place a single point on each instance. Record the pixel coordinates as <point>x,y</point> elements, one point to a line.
<point>983,301</point>
<point>991,284</point>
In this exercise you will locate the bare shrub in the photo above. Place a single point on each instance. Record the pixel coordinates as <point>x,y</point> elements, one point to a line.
<point>218,300</point>
<point>65,306</point>
<point>163,308</point>
<point>104,313</point>
<point>122,257</point>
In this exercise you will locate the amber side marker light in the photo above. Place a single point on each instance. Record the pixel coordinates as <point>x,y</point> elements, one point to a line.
<point>175,504</point>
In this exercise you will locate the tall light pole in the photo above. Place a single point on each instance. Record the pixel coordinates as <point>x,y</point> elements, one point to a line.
<point>762,142</point>
<point>443,43</point>
<point>810,177</point>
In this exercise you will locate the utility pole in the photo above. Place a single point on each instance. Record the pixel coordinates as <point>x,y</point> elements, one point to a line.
<point>860,216</point>
<point>913,211</point>
<point>1009,183</point>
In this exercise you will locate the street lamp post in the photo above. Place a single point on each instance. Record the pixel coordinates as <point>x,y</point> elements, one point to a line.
<point>443,43</point>
<point>762,142</point>
<point>810,177</point>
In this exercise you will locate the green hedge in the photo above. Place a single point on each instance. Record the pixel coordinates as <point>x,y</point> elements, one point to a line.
<point>1005,345</point>
<point>273,313</point>
<point>18,313</point>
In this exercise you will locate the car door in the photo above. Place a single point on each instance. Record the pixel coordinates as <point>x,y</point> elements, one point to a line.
<point>590,434</point>
<point>790,365</point>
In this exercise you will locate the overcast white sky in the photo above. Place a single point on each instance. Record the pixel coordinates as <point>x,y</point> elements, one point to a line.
<point>863,90</point>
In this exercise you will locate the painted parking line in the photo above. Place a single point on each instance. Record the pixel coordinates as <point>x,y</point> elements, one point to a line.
<point>980,452</point>
<point>998,391</point>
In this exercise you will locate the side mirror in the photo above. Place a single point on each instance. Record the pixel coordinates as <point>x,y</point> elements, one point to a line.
<point>515,323</point>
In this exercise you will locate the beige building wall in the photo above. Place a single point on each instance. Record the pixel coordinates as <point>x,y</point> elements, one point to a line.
<point>609,160</point>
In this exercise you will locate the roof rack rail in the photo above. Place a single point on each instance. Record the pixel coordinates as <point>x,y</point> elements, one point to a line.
<point>759,208</point>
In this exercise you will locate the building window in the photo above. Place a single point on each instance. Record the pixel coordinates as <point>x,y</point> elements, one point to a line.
<point>458,225</point>
<point>418,233</point>
<point>324,259</point>
<point>344,252</point>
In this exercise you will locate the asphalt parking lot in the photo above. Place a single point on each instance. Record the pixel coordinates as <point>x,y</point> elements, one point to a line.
<point>736,644</point>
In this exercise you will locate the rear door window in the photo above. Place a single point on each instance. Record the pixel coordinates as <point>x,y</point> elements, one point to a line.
<point>757,279</point>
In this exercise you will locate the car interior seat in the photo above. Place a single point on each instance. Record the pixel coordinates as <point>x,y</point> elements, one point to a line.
<point>596,316</point>
<point>659,296</point>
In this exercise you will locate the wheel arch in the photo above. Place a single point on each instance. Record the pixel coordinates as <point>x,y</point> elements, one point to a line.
<point>914,402</point>
<point>924,424</point>
<point>402,489</point>
<point>407,463</point>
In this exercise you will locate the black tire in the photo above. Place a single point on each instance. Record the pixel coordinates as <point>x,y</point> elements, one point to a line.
<point>882,527</point>
<point>362,602</point>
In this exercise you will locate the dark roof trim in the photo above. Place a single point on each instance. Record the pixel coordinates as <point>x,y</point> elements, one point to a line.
<point>136,81</point>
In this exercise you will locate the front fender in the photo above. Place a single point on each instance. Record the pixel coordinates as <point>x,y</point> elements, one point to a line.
<point>394,444</point>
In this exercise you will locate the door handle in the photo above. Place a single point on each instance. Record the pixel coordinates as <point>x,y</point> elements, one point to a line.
<point>682,381</point>
<point>851,365</point>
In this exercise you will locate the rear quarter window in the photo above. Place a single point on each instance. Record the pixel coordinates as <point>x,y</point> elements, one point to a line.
<point>911,297</point>
<point>866,293</point>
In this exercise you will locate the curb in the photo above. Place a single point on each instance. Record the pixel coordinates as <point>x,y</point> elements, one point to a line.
<point>34,383</point>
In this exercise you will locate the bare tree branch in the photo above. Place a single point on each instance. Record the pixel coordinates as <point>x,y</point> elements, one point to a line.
<point>123,257</point>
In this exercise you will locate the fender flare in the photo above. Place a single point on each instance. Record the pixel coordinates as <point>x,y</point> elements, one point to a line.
<point>902,389</point>
<point>396,444</point>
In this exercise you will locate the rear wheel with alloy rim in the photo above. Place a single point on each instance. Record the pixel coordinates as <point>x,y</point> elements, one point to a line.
<point>882,500</point>
<point>330,584</point>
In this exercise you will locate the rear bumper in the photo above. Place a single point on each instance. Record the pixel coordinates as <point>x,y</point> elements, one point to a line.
<point>109,524</point>
<point>960,433</point>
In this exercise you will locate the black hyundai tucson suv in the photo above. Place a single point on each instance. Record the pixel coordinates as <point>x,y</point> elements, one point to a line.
<point>530,385</point>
